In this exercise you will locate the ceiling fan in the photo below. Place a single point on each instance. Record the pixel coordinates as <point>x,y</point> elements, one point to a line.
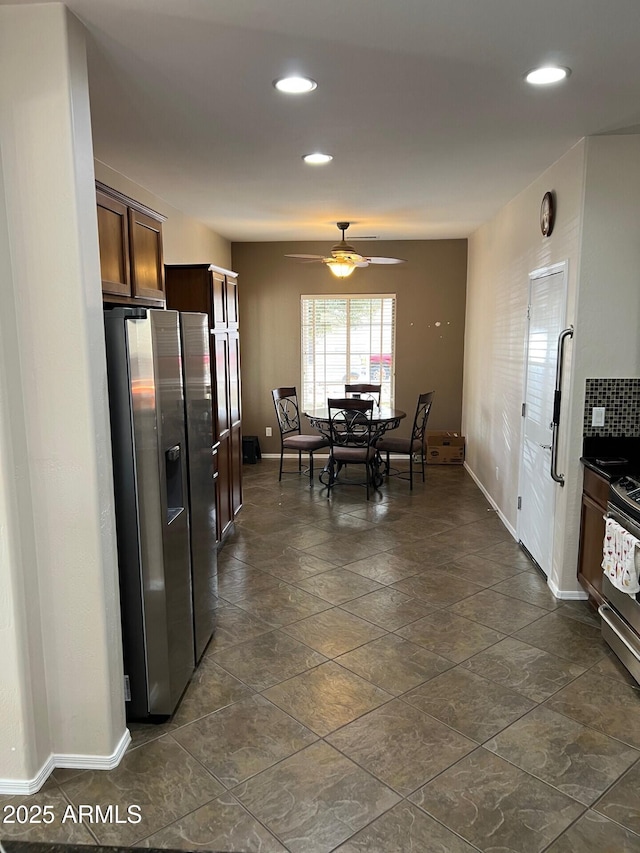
<point>344,258</point>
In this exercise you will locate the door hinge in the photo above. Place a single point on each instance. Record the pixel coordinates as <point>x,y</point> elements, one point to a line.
<point>127,689</point>
<point>528,312</point>
<point>524,409</point>
<point>519,502</point>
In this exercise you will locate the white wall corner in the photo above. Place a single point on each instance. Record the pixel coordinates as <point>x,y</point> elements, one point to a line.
<point>24,787</point>
<point>567,594</point>
<point>67,656</point>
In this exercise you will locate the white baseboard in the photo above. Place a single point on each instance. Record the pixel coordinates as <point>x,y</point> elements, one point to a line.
<point>28,786</point>
<point>567,594</point>
<point>69,760</point>
<point>491,501</point>
<point>563,594</point>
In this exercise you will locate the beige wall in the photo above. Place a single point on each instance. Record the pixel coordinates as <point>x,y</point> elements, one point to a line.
<point>185,240</point>
<point>502,253</point>
<point>607,311</point>
<point>597,184</point>
<point>430,288</point>
<point>61,682</point>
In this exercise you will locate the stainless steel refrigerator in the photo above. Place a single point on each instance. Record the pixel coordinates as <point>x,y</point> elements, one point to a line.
<point>202,471</point>
<point>147,410</point>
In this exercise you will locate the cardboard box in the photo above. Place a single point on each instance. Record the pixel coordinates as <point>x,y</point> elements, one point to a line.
<point>444,448</point>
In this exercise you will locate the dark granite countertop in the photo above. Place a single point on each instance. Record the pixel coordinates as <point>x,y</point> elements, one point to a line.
<point>606,470</point>
<point>612,456</point>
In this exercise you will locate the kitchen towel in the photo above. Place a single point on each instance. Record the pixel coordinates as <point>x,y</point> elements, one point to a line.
<point>621,557</point>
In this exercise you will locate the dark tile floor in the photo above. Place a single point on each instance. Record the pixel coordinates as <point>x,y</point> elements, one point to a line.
<point>390,675</point>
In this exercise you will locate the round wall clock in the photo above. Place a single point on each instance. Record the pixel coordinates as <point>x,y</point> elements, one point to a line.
<point>547,214</point>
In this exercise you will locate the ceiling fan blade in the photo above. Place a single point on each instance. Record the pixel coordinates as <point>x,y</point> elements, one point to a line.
<point>363,263</point>
<point>386,260</point>
<point>306,257</point>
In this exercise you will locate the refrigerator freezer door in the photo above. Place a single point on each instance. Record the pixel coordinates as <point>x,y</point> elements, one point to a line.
<point>171,593</point>
<point>201,474</point>
<point>149,463</point>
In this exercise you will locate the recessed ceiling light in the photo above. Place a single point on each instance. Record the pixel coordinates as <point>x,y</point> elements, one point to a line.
<point>317,158</point>
<point>295,85</point>
<point>547,74</point>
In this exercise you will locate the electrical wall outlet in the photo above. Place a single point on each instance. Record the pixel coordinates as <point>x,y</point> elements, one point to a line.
<point>267,432</point>
<point>597,416</point>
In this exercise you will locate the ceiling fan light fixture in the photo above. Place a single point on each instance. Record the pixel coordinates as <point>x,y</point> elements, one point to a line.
<point>344,258</point>
<point>340,267</point>
<point>547,74</point>
<point>295,85</point>
<point>317,158</point>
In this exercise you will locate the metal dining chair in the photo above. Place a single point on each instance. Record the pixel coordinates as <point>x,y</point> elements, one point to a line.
<point>413,445</point>
<point>351,437</point>
<point>364,391</point>
<point>285,401</point>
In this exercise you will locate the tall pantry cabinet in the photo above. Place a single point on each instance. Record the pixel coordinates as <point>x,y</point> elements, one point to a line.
<point>214,291</point>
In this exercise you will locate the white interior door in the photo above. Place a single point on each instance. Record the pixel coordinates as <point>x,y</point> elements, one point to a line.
<point>547,301</point>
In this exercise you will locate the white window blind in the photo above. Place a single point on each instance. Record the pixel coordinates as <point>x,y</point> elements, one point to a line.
<point>347,339</point>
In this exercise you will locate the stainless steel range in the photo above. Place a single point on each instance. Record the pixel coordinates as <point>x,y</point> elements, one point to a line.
<point>620,612</point>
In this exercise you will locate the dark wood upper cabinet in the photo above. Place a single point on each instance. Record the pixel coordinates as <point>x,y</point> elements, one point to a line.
<point>131,261</point>
<point>113,233</point>
<point>232,303</point>
<point>219,301</point>
<point>147,268</point>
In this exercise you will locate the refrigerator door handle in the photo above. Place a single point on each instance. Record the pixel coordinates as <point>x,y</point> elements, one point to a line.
<point>173,453</point>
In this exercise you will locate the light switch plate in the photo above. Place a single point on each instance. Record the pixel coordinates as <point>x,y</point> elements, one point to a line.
<point>597,416</point>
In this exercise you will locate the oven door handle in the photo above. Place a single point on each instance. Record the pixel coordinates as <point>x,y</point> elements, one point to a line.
<point>623,519</point>
<point>604,610</point>
<point>557,399</point>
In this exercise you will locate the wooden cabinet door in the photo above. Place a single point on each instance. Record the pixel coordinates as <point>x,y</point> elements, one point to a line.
<point>145,246</point>
<point>232,302</point>
<point>234,378</point>
<point>592,526</point>
<point>223,495</point>
<point>236,469</point>
<point>113,235</point>
<point>221,360</point>
<point>235,415</point>
<point>219,300</point>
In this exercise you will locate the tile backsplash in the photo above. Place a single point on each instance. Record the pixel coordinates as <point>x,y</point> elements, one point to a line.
<point>621,400</point>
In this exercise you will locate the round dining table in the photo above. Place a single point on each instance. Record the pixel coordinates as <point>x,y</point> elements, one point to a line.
<point>383,418</point>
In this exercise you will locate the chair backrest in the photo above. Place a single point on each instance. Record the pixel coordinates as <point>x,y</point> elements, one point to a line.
<point>350,422</point>
<point>422,416</point>
<point>364,391</point>
<point>285,401</point>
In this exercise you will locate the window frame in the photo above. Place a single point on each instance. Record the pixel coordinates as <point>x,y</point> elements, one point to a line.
<point>349,298</point>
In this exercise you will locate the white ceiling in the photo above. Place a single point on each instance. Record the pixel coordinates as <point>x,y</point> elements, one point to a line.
<point>421,102</point>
